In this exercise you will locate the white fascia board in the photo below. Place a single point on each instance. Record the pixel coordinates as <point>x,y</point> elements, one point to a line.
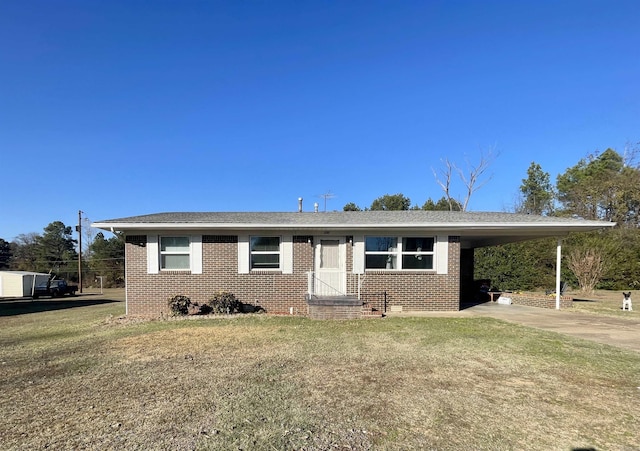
<point>448,227</point>
<point>453,228</point>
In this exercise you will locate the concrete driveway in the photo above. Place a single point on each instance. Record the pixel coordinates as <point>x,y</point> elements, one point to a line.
<point>620,332</point>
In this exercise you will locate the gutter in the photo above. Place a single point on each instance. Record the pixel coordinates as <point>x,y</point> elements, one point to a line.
<point>592,225</point>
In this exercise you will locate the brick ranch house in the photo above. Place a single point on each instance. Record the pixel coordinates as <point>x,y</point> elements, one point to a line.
<point>312,263</point>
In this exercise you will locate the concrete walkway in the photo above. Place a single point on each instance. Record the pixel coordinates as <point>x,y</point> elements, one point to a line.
<point>620,332</point>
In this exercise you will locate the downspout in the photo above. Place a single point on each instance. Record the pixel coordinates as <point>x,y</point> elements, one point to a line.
<point>311,274</point>
<point>126,279</point>
<point>558,272</point>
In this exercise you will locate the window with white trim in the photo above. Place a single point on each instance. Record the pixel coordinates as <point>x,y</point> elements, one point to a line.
<point>417,252</point>
<point>175,253</point>
<point>399,253</point>
<point>265,252</point>
<point>381,252</point>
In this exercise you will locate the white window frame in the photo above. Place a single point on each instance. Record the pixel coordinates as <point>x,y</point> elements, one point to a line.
<point>399,253</point>
<point>392,251</point>
<point>162,253</point>
<point>279,252</point>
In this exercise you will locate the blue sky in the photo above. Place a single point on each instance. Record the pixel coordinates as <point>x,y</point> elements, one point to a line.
<point>120,108</point>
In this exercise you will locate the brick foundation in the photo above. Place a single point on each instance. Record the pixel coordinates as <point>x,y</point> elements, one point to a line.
<point>347,308</point>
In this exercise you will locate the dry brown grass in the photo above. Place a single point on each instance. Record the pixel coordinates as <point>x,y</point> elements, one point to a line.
<point>80,378</point>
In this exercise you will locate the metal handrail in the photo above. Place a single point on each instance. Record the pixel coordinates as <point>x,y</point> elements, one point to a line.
<point>312,281</point>
<point>382,302</point>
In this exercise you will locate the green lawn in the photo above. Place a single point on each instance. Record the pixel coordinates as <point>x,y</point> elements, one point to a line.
<point>83,378</point>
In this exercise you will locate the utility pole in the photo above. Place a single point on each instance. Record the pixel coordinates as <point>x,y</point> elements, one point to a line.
<point>79,230</point>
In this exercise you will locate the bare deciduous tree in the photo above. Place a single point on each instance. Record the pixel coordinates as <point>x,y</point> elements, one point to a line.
<point>630,154</point>
<point>89,234</point>
<point>446,184</point>
<point>588,265</point>
<point>470,177</point>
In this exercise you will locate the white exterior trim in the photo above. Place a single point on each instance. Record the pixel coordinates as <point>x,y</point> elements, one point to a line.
<point>453,226</point>
<point>153,252</point>
<point>287,254</point>
<point>358,254</point>
<point>196,254</point>
<point>243,254</point>
<point>442,254</point>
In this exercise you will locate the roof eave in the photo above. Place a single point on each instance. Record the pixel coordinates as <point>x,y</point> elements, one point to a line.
<point>565,228</point>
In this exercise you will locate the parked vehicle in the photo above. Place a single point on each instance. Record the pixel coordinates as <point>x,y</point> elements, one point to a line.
<point>55,288</point>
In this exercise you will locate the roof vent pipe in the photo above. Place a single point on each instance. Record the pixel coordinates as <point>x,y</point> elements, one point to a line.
<point>315,207</point>
<point>299,204</point>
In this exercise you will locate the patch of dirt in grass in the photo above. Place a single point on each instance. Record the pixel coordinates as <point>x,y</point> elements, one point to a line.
<point>214,341</point>
<point>125,320</point>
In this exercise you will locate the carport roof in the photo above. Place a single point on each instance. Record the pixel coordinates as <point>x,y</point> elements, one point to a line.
<point>476,229</point>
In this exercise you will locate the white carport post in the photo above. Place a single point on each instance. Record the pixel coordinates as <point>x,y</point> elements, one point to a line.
<point>558,272</point>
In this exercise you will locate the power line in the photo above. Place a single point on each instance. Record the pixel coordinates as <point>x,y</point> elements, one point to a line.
<point>67,262</point>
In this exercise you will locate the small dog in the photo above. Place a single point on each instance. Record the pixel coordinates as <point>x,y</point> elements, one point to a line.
<point>626,302</point>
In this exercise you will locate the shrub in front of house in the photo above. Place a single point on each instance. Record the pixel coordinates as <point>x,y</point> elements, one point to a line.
<point>225,303</point>
<point>179,305</point>
<point>250,308</point>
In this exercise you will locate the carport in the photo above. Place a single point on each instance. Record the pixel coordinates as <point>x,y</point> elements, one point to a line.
<point>535,227</point>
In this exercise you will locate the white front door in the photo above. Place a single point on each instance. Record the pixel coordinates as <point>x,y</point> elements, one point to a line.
<point>330,262</point>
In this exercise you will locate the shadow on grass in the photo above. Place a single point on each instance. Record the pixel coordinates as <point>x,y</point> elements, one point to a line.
<point>583,300</point>
<point>23,306</point>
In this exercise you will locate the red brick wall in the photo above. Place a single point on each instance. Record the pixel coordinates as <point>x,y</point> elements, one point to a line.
<point>533,300</point>
<point>414,291</point>
<point>350,308</point>
<point>147,294</point>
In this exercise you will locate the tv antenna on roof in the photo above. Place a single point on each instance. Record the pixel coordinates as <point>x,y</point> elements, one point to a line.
<point>326,196</point>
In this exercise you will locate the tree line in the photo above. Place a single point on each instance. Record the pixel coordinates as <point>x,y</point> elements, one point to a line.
<point>602,186</point>
<point>54,251</point>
